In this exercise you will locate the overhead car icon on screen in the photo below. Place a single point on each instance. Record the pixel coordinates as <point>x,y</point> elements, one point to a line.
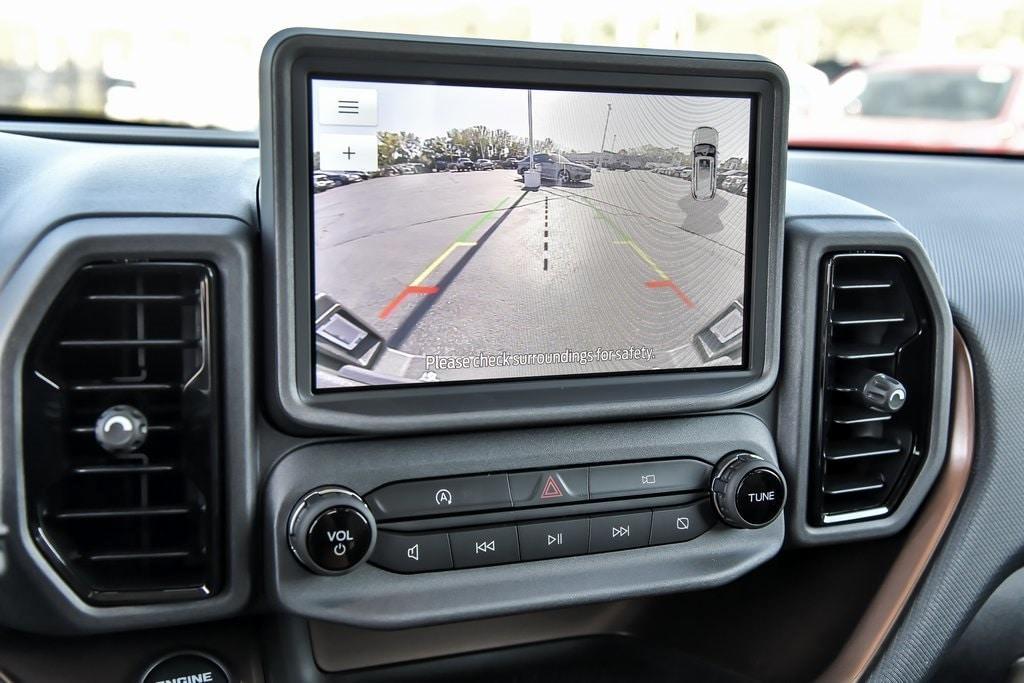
<point>705,163</point>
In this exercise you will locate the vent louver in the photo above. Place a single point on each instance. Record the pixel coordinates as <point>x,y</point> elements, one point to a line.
<point>137,524</point>
<point>874,319</point>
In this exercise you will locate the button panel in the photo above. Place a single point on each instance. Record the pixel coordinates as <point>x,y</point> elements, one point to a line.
<point>606,508</point>
<point>410,553</point>
<point>496,492</point>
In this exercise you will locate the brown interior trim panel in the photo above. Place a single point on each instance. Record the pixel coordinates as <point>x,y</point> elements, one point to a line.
<point>894,594</point>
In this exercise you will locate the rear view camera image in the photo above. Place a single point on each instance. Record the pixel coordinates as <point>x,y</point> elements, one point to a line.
<point>476,233</point>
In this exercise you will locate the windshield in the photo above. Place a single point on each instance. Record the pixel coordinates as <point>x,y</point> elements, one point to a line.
<point>932,75</point>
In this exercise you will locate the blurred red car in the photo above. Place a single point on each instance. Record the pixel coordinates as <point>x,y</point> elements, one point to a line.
<point>973,105</point>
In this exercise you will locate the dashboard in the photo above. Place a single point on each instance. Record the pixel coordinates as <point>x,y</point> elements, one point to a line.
<point>274,414</point>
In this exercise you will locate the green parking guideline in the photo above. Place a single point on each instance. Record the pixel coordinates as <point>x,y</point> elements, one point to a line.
<point>464,237</point>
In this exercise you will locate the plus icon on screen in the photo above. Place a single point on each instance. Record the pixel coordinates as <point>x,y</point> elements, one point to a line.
<point>348,152</point>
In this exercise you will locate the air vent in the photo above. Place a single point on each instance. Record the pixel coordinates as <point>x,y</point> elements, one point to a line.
<point>127,349</point>
<point>877,342</point>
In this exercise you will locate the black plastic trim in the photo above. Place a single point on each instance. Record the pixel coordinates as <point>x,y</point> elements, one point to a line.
<point>374,598</point>
<point>36,598</point>
<point>811,234</point>
<point>288,60</point>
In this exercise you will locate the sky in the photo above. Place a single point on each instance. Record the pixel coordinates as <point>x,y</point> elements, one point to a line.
<point>574,120</point>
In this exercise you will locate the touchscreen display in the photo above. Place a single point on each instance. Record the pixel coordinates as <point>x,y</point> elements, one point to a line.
<point>481,233</point>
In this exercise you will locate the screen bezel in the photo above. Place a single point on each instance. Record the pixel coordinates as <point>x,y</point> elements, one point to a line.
<point>290,61</point>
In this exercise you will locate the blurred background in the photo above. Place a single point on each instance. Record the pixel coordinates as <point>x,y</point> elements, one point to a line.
<point>941,75</point>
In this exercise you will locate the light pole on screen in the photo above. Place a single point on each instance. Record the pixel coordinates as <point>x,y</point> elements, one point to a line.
<point>604,136</point>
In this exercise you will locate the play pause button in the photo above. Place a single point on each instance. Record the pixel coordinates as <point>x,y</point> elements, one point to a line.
<point>558,538</point>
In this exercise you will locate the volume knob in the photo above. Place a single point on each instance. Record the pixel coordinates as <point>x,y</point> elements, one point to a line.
<point>331,530</point>
<point>747,491</point>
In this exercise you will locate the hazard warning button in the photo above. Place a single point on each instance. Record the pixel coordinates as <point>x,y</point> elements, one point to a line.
<point>550,487</point>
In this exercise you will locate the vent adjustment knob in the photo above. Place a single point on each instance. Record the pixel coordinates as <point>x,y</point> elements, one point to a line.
<point>747,492</point>
<point>331,530</point>
<point>121,429</point>
<point>882,392</point>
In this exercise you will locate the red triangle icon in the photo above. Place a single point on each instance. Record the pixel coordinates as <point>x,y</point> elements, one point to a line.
<point>551,489</point>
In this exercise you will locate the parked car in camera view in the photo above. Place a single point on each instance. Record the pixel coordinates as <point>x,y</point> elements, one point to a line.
<point>321,182</point>
<point>555,167</point>
<point>731,181</point>
<point>345,177</point>
<point>485,165</point>
<point>462,164</point>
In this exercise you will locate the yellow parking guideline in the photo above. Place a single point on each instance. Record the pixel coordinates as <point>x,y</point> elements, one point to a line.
<point>642,254</point>
<point>460,241</point>
<point>433,266</point>
<point>626,239</point>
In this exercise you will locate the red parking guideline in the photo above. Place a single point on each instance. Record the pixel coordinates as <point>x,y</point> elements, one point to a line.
<point>411,289</point>
<point>652,284</point>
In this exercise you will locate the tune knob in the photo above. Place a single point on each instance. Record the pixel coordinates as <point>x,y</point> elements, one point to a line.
<point>748,492</point>
<point>331,530</point>
<point>882,392</point>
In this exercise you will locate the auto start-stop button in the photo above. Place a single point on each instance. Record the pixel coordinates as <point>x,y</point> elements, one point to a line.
<point>187,667</point>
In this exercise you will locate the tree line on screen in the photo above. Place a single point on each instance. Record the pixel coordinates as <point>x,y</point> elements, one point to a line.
<point>481,142</point>
<point>475,142</point>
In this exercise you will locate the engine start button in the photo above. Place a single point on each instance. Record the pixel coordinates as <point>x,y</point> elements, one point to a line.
<point>187,667</point>
<point>338,538</point>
